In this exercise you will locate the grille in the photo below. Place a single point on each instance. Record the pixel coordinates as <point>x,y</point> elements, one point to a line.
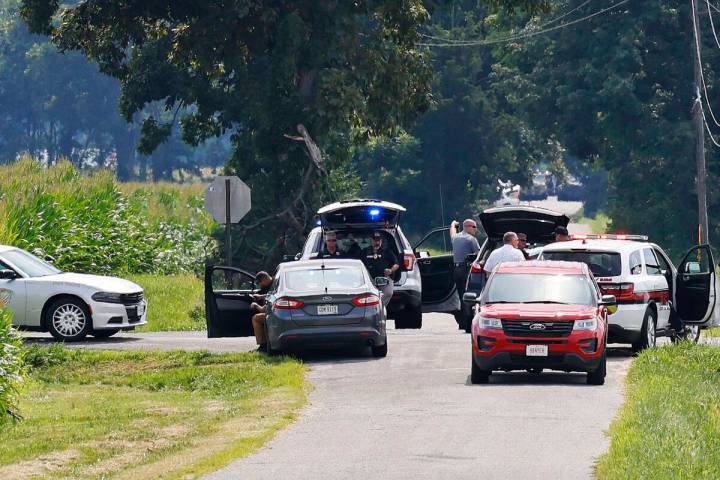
<point>132,298</point>
<point>521,328</point>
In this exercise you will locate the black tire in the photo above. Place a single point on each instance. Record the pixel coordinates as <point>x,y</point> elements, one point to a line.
<point>647,332</point>
<point>104,333</point>
<point>409,318</point>
<point>598,376</point>
<point>380,351</point>
<point>271,352</point>
<point>477,375</point>
<point>68,319</point>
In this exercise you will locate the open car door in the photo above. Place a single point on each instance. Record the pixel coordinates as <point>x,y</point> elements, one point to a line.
<point>696,295</point>
<point>435,260</point>
<point>228,293</point>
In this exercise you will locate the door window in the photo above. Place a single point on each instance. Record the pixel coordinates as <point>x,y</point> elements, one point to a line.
<point>651,263</point>
<point>435,244</point>
<point>697,262</point>
<point>662,262</point>
<point>635,263</point>
<point>231,281</point>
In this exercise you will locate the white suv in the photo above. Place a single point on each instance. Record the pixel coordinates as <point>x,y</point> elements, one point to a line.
<point>648,287</point>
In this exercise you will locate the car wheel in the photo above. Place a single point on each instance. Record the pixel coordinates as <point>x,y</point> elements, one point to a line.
<point>477,375</point>
<point>104,333</point>
<point>380,351</point>
<point>598,376</point>
<point>647,332</point>
<point>409,318</point>
<point>68,320</point>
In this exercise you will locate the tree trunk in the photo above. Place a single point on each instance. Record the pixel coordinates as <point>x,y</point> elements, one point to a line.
<point>124,148</point>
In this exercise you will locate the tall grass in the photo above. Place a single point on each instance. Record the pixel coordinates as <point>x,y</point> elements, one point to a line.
<point>90,223</point>
<point>10,366</point>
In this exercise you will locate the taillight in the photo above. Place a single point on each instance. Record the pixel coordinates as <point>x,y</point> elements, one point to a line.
<point>367,300</point>
<point>622,291</point>
<point>285,303</point>
<point>476,268</point>
<point>408,261</point>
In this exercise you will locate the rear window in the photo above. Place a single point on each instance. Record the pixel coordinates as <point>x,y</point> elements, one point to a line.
<point>319,279</point>
<point>353,243</point>
<point>601,264</point>
<point>540,288</point>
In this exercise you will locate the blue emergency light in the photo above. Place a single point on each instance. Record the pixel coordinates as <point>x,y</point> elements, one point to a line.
<point>374,212</point>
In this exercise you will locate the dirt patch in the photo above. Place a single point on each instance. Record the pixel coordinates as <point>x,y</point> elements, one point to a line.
<point>41,466</point>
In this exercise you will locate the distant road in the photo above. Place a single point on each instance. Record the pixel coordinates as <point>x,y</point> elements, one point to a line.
<point>568,208</point>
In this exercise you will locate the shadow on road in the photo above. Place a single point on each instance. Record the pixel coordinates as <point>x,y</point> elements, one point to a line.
<point>86,342</point>
<point>553,377</point>
<point>318,356</point>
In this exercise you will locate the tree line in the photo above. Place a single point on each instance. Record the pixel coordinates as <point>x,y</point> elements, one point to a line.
<point>407,100</point>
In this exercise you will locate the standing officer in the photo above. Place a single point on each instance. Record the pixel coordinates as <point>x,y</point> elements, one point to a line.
<point>463,244</point>
<point>561,234</point>
<point>330,249</point>
<point>522,245</point>
<point>381,262</point>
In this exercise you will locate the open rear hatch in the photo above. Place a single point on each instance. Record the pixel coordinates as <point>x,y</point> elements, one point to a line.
<point>360,214</point>
<point>536,222</point>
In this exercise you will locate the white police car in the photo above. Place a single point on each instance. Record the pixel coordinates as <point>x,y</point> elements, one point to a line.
<point>646,284</point>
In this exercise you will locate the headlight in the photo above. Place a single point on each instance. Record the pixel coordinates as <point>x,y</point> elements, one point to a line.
<point>106,297</point>
<point>585,324</point>
<point>486,322</point>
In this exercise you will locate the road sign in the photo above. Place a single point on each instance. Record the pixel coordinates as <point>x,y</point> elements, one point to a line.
<point>220,204</point>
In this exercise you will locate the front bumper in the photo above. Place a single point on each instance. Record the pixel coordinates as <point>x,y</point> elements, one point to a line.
<point>500,352</point>
<point>108,316</point>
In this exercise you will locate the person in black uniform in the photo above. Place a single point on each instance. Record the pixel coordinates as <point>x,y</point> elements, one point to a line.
<point>381,262</point>
<point>330,249</point>
<point>264,281</point>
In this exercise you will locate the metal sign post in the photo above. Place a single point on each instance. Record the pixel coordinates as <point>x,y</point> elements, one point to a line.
<point>228,201</point>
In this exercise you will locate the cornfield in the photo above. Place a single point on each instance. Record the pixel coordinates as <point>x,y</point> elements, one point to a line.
<point>90,223</point>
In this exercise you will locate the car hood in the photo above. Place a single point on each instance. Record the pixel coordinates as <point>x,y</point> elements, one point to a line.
<point>101,283</point>
<point>537,223</point>
<point>537,311</point>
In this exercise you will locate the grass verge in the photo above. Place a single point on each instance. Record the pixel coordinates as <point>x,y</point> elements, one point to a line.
<point>670,423</point>
<point>175,302</point>
<point>137,415</point>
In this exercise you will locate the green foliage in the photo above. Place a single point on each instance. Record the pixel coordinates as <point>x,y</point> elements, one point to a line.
<point>175,302</point>
<point>670,423</point>
<point>85,223</point>
<point>10,366</point>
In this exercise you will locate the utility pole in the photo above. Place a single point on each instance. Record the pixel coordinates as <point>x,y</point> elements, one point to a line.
<point>698,123</point>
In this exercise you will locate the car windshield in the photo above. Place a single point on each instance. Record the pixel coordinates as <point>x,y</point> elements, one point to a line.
<point>601,264</point>
<point>320,279</point>
<point>29,263</point>
<point>539,288</point>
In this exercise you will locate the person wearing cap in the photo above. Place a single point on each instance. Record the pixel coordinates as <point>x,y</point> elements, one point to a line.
<point>561,234</point>
<point>381,262</point>
<point>330,249</point>
<point>463,244</point>
<point>522,245</point>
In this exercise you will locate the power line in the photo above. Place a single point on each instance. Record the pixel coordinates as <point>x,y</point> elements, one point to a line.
<point>712,24</point>
<point>702,73</point>
<point>549,22</point>
<point>526,35</point>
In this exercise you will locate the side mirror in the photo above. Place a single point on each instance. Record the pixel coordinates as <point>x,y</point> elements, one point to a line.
<point>692,267</point>
<point>7,274</point>
<point>470,297</point>
<point>422,254</point>
<point>663,272</point>
<point>610,302</point>
<point>381,282</point>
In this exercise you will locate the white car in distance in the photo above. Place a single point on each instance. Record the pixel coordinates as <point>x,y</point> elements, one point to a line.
<point>68,305</point>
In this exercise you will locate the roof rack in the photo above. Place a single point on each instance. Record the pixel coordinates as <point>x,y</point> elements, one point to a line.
<point>609,236</point>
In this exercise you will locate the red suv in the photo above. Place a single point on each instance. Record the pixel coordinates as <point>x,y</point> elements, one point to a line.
<point>535,315</point>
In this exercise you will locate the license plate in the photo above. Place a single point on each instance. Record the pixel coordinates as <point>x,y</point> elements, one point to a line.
<point>327,309</point>
<point>536,350</point>
<point>141,310</point>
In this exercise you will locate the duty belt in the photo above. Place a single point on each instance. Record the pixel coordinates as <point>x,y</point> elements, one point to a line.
<point>461,264</point>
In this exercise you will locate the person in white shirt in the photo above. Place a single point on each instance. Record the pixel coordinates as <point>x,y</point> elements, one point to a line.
<point>509,252</point>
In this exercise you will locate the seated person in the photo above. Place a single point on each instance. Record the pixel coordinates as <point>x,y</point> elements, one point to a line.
<point>330,249</point>
<point>264,281</point>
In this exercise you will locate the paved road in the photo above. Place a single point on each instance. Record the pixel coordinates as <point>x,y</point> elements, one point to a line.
<point>415,415</point>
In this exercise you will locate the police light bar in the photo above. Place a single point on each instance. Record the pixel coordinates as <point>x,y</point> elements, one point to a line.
<point>609,236</point>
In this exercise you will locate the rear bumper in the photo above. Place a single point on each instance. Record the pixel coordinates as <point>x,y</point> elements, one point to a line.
<point>404,300</point>
<point>328,336</point>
